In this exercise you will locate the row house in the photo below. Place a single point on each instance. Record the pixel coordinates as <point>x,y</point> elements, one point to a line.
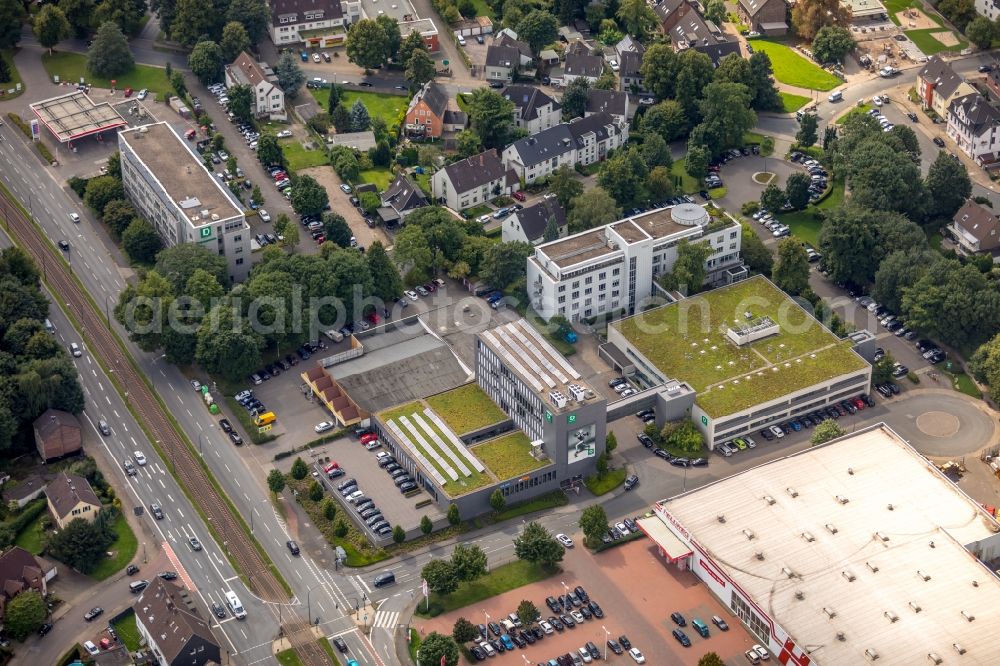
<point>473,181</point>
<point>938,86</point>
<point>580,142</point>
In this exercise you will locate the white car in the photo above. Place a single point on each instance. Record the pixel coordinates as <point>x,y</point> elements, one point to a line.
<point>761,652</point>
<point>74,349</point>
<point>410,294</point>
<point>372,445</point>
<point>614,65</point>
<point>564,540</point>
<point>264,215</point>
<point>638,656</point>
<point>323,426</point>
<point>140,457</point>
<point>316,57</point>
<point>585,655</point>
<point>546,627</point>
<point>777,432</point>
<point>74,217</point>
<point>90,647</point>
<point>284,134</point>
<point>142,94</point>
<point>577,617</point>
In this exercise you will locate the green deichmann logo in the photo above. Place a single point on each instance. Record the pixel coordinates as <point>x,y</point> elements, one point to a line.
<point>206,232</point>
<point>704,420</point>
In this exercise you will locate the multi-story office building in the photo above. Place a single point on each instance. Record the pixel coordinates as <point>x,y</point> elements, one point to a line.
<point>169,186</point>
<point>614,268</point>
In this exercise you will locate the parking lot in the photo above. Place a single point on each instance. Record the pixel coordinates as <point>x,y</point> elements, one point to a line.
<point>636,592</point>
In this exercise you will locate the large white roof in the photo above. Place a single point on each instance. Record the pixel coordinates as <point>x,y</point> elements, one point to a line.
<point>857,545</point>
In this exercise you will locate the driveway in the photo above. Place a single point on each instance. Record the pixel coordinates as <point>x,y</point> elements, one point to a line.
<point>740,185</point>
<point>341,203</point>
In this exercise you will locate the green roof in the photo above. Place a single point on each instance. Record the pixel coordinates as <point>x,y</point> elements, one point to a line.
<point>509,455</point>
<point>466,408</point>
<point>687,341</point>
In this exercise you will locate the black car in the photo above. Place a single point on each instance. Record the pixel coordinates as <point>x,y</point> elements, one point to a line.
<point>645,440</point>
<point>44,629</point>
<point>226,425</point>
<point>527,637</point>
<point>699,462</point>
<point>678,619</point>
<point>494,628</point>
<point>660,453</point>
<point>156,511</point>
<point>680,462</point>
<point>595,609</point>
<point>219,611</point>
<point>407,487</point>
<point>537,633</point>
<point>626,643</point>
<point>93,613</point>
<point>131,570</point>
<point>293,547</point>
<point>585,612</point>
<point>767,434</point>
<point>340,644</point>
<point>167,575</point>
<point>552,604</point>
<point>581,594</point>
<point>567,621</point>
<point>478,653</point>
<point>615,646</point>
<point>236,439</point>
<point>938,141</point>
<point>631,482</point>
<point>556,623</point>
<point>592,649</point>
<point>518,641</point>
<point>682,638</point>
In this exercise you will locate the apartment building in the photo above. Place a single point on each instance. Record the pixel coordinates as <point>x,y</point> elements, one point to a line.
<point>614,268</point>
<point>974,124</point>
<point>533,109</point>
<point>581,141</point>
<point>472,181</point>
<point>938,85</point>
<point>169,186</point>
<point>317,23</point>
<point>269,99</point>
<point>976,229</point>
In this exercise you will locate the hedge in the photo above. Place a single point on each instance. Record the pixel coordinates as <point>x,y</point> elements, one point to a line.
<point>28,514</point>
<point>634,536</point>
<point>319,441</point>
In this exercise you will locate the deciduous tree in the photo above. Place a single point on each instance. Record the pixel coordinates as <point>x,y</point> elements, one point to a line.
<point>252,15</point>
<point>241,102</point>
<point>194,19</point>
<point>492,117</point>
<point>726,115</point>
<point>536,545</point>
<point>426,526</point>
<point>832,44</point>
<point>50,26</point>
<point>420,68</point>
<point>948,185</point>
<point>205,62</point>
<point>109,55</point>
<point>275,481</point>
<point>438,650</point>
<point>755,254</point>
<point>234,41</point>
<point>24,614</point>
<point>773,197</point>
<point>469,562</point>
<point>440,576</point>
<point>367,45</point>
<point>697,159</point>
<point>538,29</point>
<point>985,366</point>
<point>527,612</point>
<point>564,185</point>
<point>666,119</point>
<point>825,431</point>
<point>594,523</point>
<point>636,17</point>
<point>574,99</point>
<point>811,15</point>
<point>623,176</point>
<point>80,544</point>
<point>791,270</point>
<point>497,501</point>
<point>688,273</point>
<point>659,70</point>
<point>464,631</point>
<point>797,190</point>
<point>807,134</point>
<point>141,242</point>
<point>981,32</point>
<point>308,196</point>
<point>591,209</point>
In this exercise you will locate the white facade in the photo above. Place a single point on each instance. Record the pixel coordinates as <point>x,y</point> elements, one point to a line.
<point>268,98</point>
<point>289,18</point>
<point>613,268</point>
<point>457,190</point>
<point>988,8</point>
<point>975,127</point>
<point>580,142</point>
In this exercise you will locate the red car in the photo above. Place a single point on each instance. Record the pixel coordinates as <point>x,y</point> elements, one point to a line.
<point>189,135</point>
<point>128,92</point>
<point>519,196</point>
<point>320,239</point>
<point>372,317</point>
<point>368,437</point>
<point>332,466</point>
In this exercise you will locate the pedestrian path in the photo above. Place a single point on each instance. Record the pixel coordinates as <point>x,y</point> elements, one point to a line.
<point>386,619</point>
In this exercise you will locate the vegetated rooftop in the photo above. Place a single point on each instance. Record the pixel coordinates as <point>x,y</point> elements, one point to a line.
<point>466,408</point>
<point>688,341</point>
<point>509,455</point>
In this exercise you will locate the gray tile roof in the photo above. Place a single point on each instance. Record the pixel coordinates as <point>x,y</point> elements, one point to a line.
<point>527,100</point>
<point>402,195</point>
<point>475,171</point>
<point>68,490</point>
<point>502,56</point>
<point>584,65</point>
<point>980,222</point>
<point>522,47</point>
<point>169,615</point>
<point>331,9</point>
<point>562,138</point>
<point>534,219</point>
<point>629,65</point>
<point>979,114</point>
<point>939,74</point>
<point>614,102</point>
<point>435,97</point>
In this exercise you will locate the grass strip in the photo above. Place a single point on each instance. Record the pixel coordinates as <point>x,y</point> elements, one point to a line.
<point>603,485</point>
<point>501,579</point>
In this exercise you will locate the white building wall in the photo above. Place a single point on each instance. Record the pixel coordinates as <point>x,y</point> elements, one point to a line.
<point>988,8</point>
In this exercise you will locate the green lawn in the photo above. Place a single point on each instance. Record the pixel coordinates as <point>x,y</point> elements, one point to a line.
<point>124,548</point>
<point>483,9</point>
<point>611,480</point>
<point>380,178</point>
<point>414,644</point>
<point>683,181</point>
<point>30,537</point>
<point>791,103</point>
<point>72,66</point>
<point>508,456</point>
<point>8,56</point>
<point>127,632</point>
<point>856,111</point>
<point>298,157</point>
<point>547,501</point>
<point>391,108</point>
<point>793,69</point>
<point>499,580</point>
<point>804,225</point>
<point>466,408</point>
<point>924,39</point>
<point>288,658</point>
<point>963,383</point>
<point>423,181</point>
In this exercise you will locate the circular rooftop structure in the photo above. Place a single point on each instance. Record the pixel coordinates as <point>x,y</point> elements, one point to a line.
<point>689,215</point>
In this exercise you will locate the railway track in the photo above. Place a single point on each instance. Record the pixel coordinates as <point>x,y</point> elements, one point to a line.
<point>188,470</point>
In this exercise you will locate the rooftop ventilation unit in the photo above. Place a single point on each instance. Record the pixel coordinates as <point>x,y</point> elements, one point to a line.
<point>721,518</point>
<point>915,606</point>
<point>841,636</point>
<point>841,499</point>
<point>577,392</point>
<point>958,648</point>
<point>890,507</point>
<point>830,612</point>
<point>849,575</point>
<point>792,491</point>
<point>881,537</point>
<point>924,575</point>
<point>892,617</point>
<point>769,500</point>
<point>558,399</point>
<point>788,572</point>
<point>215,217</point>
<point>749,534</point>
<point>759,555</point>
<point>800,595</point>
<point>968,616</point>
<point>873,567</point>
<point>850,471</point>
<point>871,653</point>
<point>831,528</point>
<point>808,536</point>
<point>934,658</point>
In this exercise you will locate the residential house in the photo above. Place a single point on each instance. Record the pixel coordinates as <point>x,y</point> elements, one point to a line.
<point>472,181</point>
<point>528,224</point>
<point>71,497</point>
<point>693,31</point>
<point>974,124</point>
<point>938,86</point>
<point>628,44</point>
<point>168,619</point>
<point>316,23</point>
<point>580,142</point>
<point>400,199</point>
<point>669,13</point>
<point>269,99</point>
<point>425,28</point>
<point>764,16</point>
<point>976,229</point>
<point>501,63</point>
<point>21,571</point>
<point>988,8</point>
<point>629,72</point>
<point>506,37</point>
<point>360,141</point>
<point>533,109</point>
<point>428,113</point>
<point>57,435</point>
<point>615,103</point>
<point>24,491</point>
<point>578,65</point>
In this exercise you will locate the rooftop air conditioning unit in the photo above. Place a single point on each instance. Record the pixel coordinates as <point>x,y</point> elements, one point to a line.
<point>841,499</point>
<point>830,612</point>
<point>749,534</point>
<point>808,537</point>
<point>923,575</point>
<point>934,658</point>
<point>873,567</point>
<point>871,653</point>
<point>769,500</point>
<point>892,617</point>
<point>968,616</point>
<point>792,491</point>
<point>958,648</point>
<point>915,606</point>
<point>831,528</point>
<point>849,575</point>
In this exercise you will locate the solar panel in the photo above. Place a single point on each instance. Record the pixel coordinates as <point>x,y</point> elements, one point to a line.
<point>511,361</point>
<point>429,449</point>
<point>570,370</point>
<point>415,452</point>
<point>448,451</point>
<point>538,354</point>
<point>458,444</point>
<point>515,348</point>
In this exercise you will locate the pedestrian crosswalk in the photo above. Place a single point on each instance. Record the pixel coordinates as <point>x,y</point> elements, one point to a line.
<point>386,619</point>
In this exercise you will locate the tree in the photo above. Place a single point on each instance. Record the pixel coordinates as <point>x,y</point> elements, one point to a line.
<point>551,231</point>
<point>179,263</point>
<point>410,45</point>
<point>361,120</point>
<point>126,14</point>
<point>118,214</point>
<point>564,185</point>
<point>299,469</point>
<point>80,545</point>
<point>948,185</point>
<point>636,17</point>
<point>610,443</point>
<point>497,501</point>
<point>469,562</point>
<point>791,270</point>
<point>308,196</point>
<point>807,134</point>
<point>883,177</point>
<point>527,612</point>
<point>387,283</point>
<point>762,86</point>
<point>234,41</point>
<point>336,229</point>
<point>468,143</point>
<point>907,138</point>
<point>367,45</point>
<point>369,202</point>
<point>336,97</point>
<point>315,491</point>
<point>241,102</point>
<point>797,190</point>
<point>440,576</point>
<point>538,29</point>
<point>503,263</point>
<point>290,76</point>
<point>882,369</point>
<point>954,303</point>
<point>960,12</point>
<point>109,56</point>
<point>726,115</point>
<point>50,26</point>
<point>773,197</point>
<point>420,69</point>
<point>711,659</point>
<point>453,516</point>
<point>688,272</point>
<point>536,545</point>
<point>426,525</point>
<point>464,631</point>
<point>341,529</point>
<point>980,32</point>
<point>682,435</point>
<point>985,366</point>
<point>193,21</point>
<point>11,16</point>
<point>574,100</point>
<point>715,11</point>
<point>655,152</point>
<point>832,44</point>
<point>329,509</point>
<point>275,481</point>
<point>178,83</point>
<point>695,72</point>
<point>666,119</point>
<point>24,614</point>
<point>205,62</point>
<point>602,465</point>
<point>393,35</point>
<point>593,208</point>
<point>659,70</point>
<point>492,117</point>
<point>594,523</point>
<point>252,15</point>
<point>825,431</point>
<point>5,71</point>
<point>898,272</point>
<point>755,254</point>
<point>697,159</point>
<point>398,534</point>
<point>141,242</point>
<point>623,176</point>
<point>811,15</point>
<point>438,650</point>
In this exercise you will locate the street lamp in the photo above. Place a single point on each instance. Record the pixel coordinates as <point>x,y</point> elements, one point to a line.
<point>607,634</point>
<point>144,552</point>
<point>366,622</point>
<point>309,604</point>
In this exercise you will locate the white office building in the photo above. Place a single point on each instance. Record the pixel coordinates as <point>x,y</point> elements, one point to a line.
<point>169,186</point>
<point>613,268</point>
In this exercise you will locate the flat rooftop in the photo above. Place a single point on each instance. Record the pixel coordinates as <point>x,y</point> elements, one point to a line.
<point>577,249</point>
<point>658,223</point>
<point>864,7</point>
<point>191,186</point>
<point>75,116</point>
<point>869,531</point>
<point>536,362</point>
<point>687,341</point>
<point>400,10</point>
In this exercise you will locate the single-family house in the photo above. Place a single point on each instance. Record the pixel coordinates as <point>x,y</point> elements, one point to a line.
<point>580,142</point>
<point>57,435</point>
<point>628,44</point>
<point>24,491</point>
<point>525,58</point>
<point>402,197</point>
<point>976,229</point>
<point>316,23</point>
<point>21,571</point>
<point>578,66</point>
<point>693,31</point>
<point>669,13</point>
<point>528,225</point>
<point>764,16</point>
<point>501,63</point>
<point>472,181</point>
<point>268,98</point>
<point>629,73</point>
<point>974,124</point>
<point>428,112</point>
<point>938,85</point>
<point>616,103</point>
<point>70,497</point>
<point>168,619</point>
<point>533,109</point>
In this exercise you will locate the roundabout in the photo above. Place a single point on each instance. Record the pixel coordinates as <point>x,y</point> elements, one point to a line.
<point>940,423</point>
<point>763,177</point>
